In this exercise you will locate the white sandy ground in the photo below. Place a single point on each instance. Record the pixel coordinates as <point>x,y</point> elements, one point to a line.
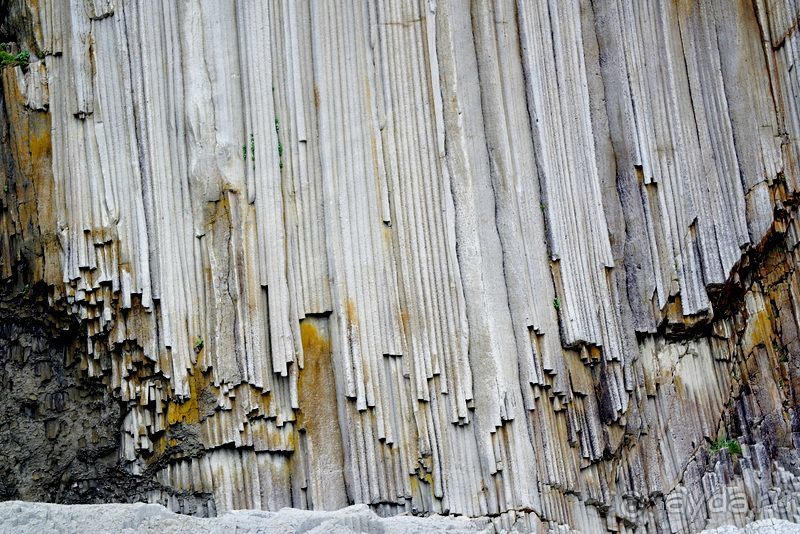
<point>759,527</point>
<point>18,517</point>
<point>40,518</point>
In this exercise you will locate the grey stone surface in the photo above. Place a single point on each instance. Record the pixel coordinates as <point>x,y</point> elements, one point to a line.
<point>765,526</point>
<point>38,518</point>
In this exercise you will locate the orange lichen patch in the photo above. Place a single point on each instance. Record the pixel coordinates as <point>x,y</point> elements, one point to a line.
<point>18,116</point>
<point>350,311</point>
<point>318,416</point>
<point>759,331</point>
<point>291,442</point>
<point>418,478</point>
<point>33,190</point>
<point>218,213</point>
<point>312,383</point>
<point>187,411</point>
<point>580,374</point>
<point>404,319</point>
<point>679,322</point>
<point>680,389</point>
<point>313,342</point>
<point>40,142</point>
<point>253,394</point>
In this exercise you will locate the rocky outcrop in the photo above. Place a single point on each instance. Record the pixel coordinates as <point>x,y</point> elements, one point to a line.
<point>531,261</point>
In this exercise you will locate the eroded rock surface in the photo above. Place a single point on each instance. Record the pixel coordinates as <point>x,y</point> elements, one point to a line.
<point>531,261</point>
<point>59,430</point>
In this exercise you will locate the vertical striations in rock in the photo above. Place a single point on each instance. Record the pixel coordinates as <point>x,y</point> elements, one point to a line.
<point>532,260</point>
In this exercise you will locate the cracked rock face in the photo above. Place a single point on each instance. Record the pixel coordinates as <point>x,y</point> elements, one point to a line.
<point>59,430</point>
<point>534,262</point>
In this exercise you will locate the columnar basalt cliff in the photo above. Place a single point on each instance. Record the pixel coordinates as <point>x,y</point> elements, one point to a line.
<point>535,261</point>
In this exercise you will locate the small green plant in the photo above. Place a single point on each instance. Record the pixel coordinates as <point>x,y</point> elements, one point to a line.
<point>280,146</point>
<point>198,344</point>
<point>244,152</point>
<point>781,351</point>
<point>252,149</point>
<point>7,59</point>
<point>556,304</point>
<point>542,206</point>
<point>729,444</point>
